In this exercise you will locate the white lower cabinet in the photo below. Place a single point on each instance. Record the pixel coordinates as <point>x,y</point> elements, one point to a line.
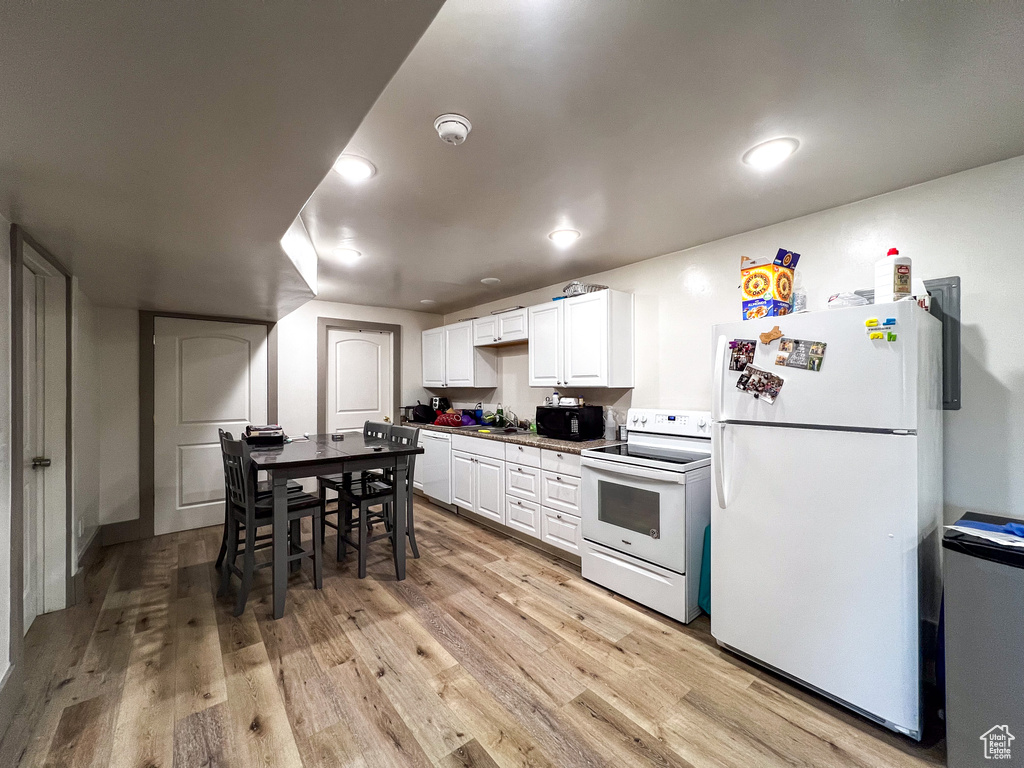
<point>522,515</point>
<point>560,529</point>
<point>478,485</point>
<point>560,492</point>
<point>522,481</point>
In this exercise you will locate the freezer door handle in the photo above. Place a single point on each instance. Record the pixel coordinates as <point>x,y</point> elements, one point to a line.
<point>717,381</point>
<point>716,461</point>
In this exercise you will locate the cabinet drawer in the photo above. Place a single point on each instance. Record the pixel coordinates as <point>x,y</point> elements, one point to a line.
<point>562,463</point>
<point>479,446</point>
<point>523,515</point>
<point>523,482</point>
<point>560,492</point>
<point>560,529</point>
<point>522,454</point>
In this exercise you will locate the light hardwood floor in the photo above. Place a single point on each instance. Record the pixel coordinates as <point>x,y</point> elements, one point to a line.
<point>489,653</point>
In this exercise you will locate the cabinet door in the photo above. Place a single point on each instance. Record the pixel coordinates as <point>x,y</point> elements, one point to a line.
<point>546,340</point>
<point>458,354</point>
<point>485,331</point>
<point>490,488</point>
<point>512,325</point>
<point>433,358</point>
<point>586,340</point>
<point>463,479</point>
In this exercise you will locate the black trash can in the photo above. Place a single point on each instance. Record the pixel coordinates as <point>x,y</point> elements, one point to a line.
<point>984,633</point>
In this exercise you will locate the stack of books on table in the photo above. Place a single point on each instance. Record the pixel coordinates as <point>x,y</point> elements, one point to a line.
<point>268,434</point>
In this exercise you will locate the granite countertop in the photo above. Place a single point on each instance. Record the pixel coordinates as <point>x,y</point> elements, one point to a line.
<point>523,438</point>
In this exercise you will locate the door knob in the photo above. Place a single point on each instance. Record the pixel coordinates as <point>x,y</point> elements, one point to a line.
<point>40,461</point>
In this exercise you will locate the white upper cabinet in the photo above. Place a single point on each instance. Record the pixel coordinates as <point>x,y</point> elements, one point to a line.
<point>504,328</point>
<point>450,358</point>
<point>583,341</point>
<point>433,358</point>
<point>546,339</point>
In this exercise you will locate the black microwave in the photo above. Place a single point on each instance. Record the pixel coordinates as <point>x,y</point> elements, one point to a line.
<point>578,422</point>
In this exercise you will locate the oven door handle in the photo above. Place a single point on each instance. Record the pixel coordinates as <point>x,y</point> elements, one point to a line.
<point>678,478</point>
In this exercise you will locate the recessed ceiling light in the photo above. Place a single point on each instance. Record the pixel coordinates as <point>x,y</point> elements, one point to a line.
<point>427,301</point>
<point>490,281</point>
<point>354,169</point>
<point>564,237</point>
<point>347,255</point>
<point>770,154</point>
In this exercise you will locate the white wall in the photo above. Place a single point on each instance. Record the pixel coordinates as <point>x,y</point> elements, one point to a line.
<point>970,224</point>
<point>85,415</point>
<point>297,357</point>
<point>117,347</point>
<point>5,447</point>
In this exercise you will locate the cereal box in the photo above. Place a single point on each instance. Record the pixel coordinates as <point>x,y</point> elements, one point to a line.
<point>768,286</point>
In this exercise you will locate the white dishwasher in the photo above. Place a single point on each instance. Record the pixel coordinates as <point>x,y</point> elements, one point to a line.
<point>433,476</point>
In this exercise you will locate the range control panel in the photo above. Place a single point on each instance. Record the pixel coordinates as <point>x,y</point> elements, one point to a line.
<point>668,422</point>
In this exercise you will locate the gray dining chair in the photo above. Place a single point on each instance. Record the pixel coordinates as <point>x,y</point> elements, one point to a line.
<point>248,513</point>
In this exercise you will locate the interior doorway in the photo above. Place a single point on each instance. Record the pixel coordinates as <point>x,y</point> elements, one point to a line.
<point>359,367</point>
<point>41,430</point>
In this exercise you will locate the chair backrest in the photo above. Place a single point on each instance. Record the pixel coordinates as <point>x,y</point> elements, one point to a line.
<point>377,429</point>
<point>406,436</point>
<point>238,485</point>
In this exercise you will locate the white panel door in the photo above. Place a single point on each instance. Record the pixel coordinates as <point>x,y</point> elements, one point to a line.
<point>586,340</point>
<point>814,559</point>
<point>34,445</point>
<point>459,354</point>
<point>433,357</point>
<point>490,489</point>
<point>463,480</point>
<point>546,344</point>
<point>862,382</point>
<point>207,376</point>
<point>360,382</point>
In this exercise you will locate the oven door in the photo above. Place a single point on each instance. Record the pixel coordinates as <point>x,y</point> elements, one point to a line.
<point>636,510</point>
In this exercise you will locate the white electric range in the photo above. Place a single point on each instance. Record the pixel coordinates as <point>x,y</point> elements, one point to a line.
<point>645,507</point>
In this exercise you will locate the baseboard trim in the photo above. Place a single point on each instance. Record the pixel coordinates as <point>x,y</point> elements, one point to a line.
<point>12,690</point>
<point>88,556</point>
<point>119,533</point>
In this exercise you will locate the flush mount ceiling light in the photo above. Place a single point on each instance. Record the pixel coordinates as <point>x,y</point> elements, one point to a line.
<point>354,169</point>
<point>563,238</point>
<point>769,154</point>
<point>490,281</point>
<point>427,301</point>
<point>347,256</point>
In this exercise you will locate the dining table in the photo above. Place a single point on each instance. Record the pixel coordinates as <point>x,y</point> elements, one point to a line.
<point>330,454</point>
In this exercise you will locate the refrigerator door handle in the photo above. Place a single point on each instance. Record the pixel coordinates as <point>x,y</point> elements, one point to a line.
<point>716,385</point>
<point>716,461</point>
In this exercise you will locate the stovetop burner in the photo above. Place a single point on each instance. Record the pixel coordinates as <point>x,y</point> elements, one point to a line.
<point>646,452</point>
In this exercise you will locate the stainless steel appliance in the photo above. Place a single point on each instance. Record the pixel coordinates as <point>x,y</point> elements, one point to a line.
<point>645,507</point>
<point>581,422</point>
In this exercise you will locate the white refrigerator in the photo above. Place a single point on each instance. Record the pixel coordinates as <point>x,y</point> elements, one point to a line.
<point>826,513</point>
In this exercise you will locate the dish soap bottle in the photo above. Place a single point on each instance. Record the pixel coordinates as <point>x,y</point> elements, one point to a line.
<point>500,421</point>
<point>892,277</point>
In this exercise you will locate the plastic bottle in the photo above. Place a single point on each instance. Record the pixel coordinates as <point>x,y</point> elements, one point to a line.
<point>892,277</point>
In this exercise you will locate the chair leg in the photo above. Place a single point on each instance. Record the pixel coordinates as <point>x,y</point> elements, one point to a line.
<point>318,545</point>
<point>248,567</point>
<point>411,530</point>
<point>224,535</point>
<point>295,544</point>
<point>363,536</point>
<point>230,547</point>
<point>323,511</point>
<point>344,527</point>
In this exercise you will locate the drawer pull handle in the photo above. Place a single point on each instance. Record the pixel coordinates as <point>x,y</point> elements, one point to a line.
<point>558,477</point>
<point>558,455</point>
<point>630,543</point>
<point>558,516</point>
<point>519,503</point>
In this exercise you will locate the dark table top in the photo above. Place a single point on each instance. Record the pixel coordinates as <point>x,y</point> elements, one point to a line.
<point>322,449</point>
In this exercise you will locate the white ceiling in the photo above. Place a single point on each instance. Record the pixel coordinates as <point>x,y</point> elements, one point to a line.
<point>161,149</point>
<point>626,120</point>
